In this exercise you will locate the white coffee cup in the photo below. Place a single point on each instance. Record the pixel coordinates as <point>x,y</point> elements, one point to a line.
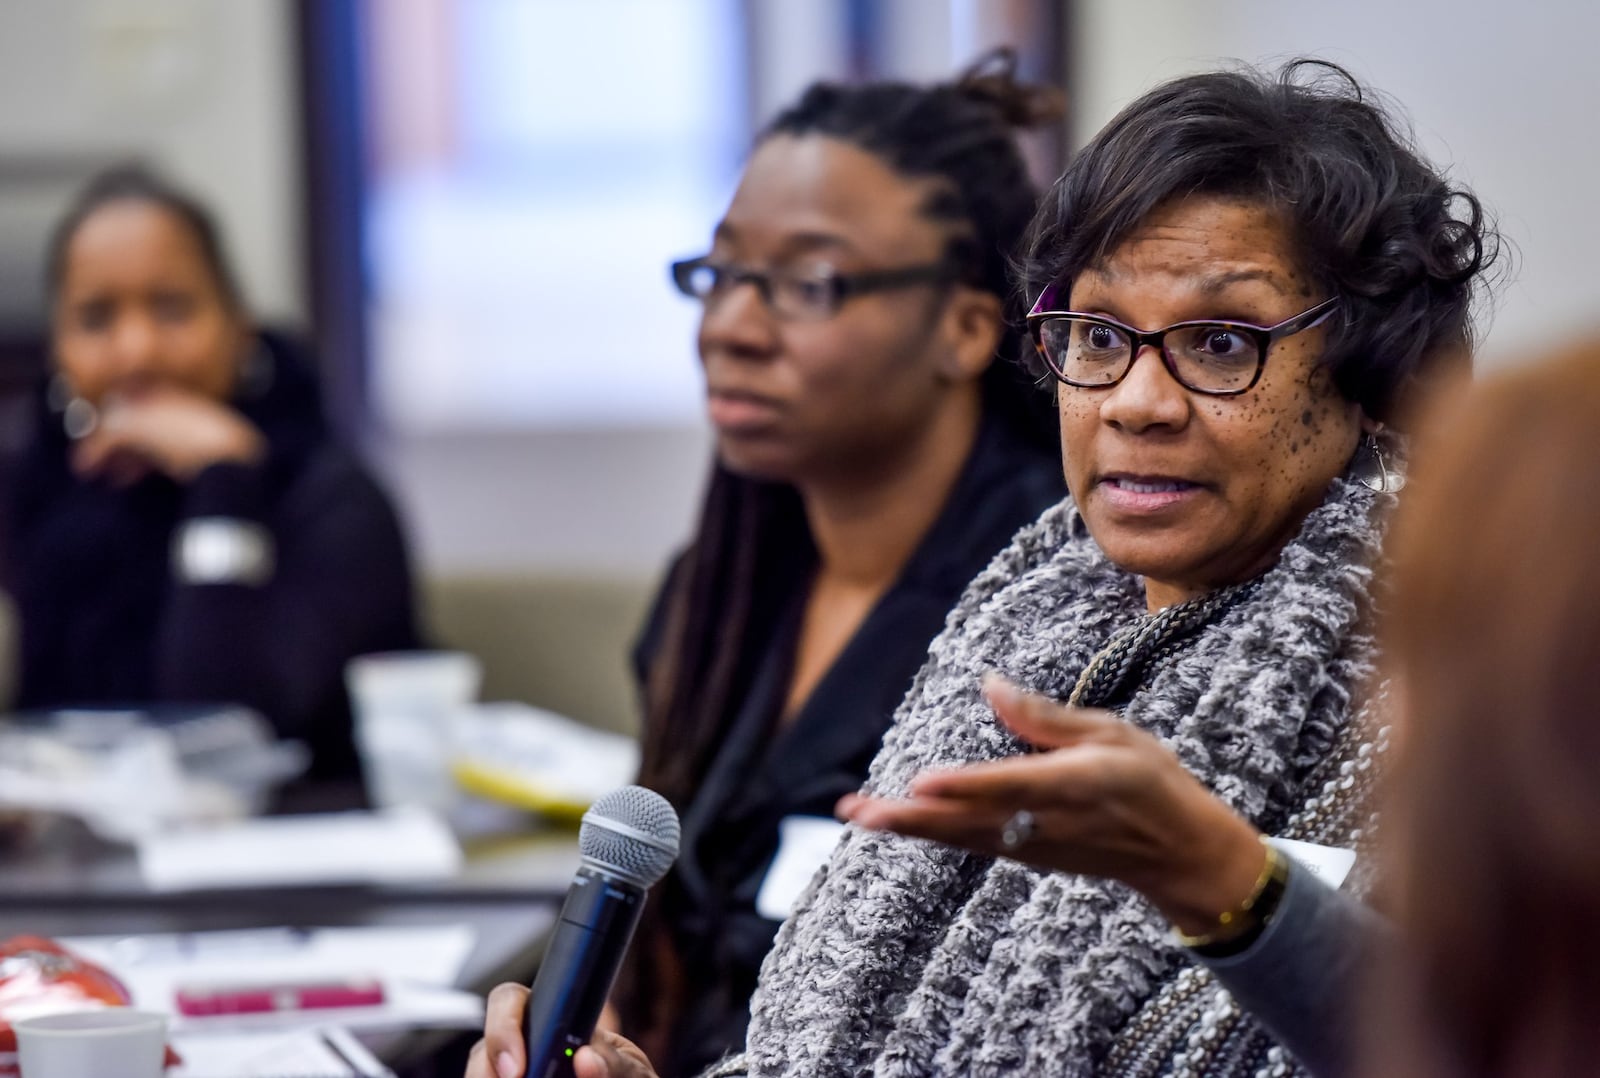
<point>113,1040</point>
<point>406,705</point>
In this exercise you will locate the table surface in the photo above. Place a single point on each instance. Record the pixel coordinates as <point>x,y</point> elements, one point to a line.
<point>66,882</point>
<point>509,941</point>
<point>509,856</point>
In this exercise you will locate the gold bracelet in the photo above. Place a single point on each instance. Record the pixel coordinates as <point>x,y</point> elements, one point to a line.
<point>1235,922</point>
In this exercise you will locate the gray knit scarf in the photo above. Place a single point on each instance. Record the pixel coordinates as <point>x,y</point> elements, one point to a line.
<point>907,957</point>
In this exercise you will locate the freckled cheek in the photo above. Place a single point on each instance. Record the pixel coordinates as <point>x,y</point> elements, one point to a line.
<point>1078,413</point>
<point>1238,421</point>
<point>1255,442</point>
<point>1078,425</point>
<point>1074,408</point>
<point>1325,420</point>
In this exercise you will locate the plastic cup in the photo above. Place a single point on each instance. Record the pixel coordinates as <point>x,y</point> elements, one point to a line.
<point>406,705</point>
<point>129,1044</point>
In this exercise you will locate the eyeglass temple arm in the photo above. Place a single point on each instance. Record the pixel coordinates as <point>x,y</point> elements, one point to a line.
<point>852,283</point>
<point>1046,299</point>
<point>1305,319</point>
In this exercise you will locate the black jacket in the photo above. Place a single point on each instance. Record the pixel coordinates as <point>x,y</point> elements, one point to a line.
<point>104,620</point>
<point>730,830</point>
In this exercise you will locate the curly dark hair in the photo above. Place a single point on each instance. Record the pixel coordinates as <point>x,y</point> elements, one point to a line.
<point>1376,224</point>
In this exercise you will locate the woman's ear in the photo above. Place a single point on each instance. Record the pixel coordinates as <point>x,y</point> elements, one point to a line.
<point>974,323</point>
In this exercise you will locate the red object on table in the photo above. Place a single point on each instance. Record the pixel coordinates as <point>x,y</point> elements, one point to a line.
<point>39,976</point>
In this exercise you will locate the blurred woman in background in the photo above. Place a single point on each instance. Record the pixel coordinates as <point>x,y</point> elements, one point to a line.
<point>873,454</point>
<point>1495,651</point>
<point>184,528</point>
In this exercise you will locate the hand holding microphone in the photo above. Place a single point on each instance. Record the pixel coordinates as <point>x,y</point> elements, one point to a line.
<point>628,841</point>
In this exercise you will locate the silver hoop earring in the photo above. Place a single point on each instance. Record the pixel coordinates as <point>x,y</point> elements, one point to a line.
<point>79,418</point>
<point>1371,467</point>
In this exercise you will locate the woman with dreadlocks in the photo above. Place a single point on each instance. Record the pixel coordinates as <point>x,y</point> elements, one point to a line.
<point>873,451</point>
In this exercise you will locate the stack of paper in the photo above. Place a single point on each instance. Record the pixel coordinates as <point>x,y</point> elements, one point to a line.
<point>333,848</point>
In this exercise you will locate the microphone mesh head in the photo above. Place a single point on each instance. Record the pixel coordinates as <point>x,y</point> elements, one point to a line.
<point>632,831</point>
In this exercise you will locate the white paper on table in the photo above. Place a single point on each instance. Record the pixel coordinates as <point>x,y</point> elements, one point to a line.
<point>415,964</point>
<point>321,848</point>
<point>320,1053</point>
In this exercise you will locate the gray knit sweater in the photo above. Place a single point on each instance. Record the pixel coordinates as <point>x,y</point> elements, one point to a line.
<point>911,958</point>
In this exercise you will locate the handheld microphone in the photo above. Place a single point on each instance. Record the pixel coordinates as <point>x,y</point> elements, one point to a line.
<point>628,840</point>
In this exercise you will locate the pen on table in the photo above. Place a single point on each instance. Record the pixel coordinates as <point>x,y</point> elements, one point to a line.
<point>212,1000</point>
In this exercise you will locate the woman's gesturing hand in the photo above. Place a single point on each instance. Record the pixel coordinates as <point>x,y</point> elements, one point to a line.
<point>502,1052</point>
<point>1103,798</point>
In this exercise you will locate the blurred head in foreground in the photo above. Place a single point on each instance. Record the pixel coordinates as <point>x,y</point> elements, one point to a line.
<point>1495,640</point>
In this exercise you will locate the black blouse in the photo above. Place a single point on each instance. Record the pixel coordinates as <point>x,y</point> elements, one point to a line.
<point>730,830</point>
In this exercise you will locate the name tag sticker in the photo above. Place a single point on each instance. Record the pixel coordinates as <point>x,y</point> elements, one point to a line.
<point>804,845</point>
<point>1330,864</point>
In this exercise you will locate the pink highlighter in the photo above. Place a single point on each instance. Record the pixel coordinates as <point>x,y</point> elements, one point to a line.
<point>205,1001</point>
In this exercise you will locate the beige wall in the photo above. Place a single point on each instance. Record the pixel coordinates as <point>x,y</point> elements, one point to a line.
<point>593,500</point>
<point>203,88</point>
<point>1504,92</point>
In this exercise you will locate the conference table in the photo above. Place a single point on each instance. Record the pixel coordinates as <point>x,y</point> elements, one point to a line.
<point>516,871</point>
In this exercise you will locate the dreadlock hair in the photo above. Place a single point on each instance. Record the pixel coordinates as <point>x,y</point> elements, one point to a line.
<point>725,595</point>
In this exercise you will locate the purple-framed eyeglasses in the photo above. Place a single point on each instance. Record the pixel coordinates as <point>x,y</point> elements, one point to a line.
<point>1215,357</point>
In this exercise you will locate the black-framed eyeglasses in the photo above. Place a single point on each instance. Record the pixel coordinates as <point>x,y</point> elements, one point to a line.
<point>809,294</point>
<point>1218,358</point>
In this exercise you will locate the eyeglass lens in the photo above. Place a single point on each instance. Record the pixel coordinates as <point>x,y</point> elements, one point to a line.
<point>1214,358</point>
<point>799,295</point>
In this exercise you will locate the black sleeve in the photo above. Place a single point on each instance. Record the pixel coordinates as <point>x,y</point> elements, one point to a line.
<point>341,586</point>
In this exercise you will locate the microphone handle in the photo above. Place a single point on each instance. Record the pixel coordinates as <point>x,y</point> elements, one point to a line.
<point>585,952</point>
